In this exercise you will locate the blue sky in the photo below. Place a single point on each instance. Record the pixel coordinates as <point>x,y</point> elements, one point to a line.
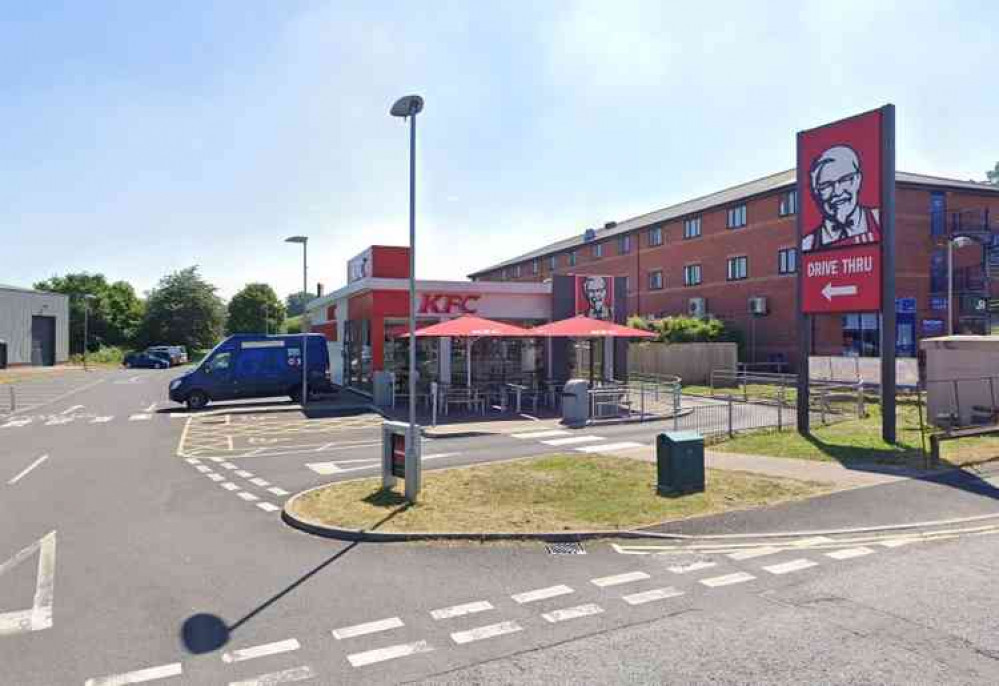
<point>140,138</point>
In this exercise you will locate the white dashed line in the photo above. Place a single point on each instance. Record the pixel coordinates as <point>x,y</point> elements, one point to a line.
<point>260,482</point>
<point>728,579</point>
<point>541,434</point>
<point>139,676</point>
<point>141,417</point>
<point>228,465</point>
<point>608,447</point>
<point>243,473</point>
<point>204,469</point>
<point>792,566</point>
<point>650,596</point>
<point>262,650</point>
<point>849,553</point>
<point>753,552</point>
<point>282,677</point>
<point>192,460</point>
<point>215,477</point>
<point>390,653</point>
<point>268,507</point>
<point>249,497</point>
<point>461,610</point>
<point>618,579</point>
<point>692,567</point>
<point>541,594</point>
<point>229,486</point>
<point>482,632</point>
<point>277,491</point>
<point>896,542</point>
<point>367,628</point>
<point>572,440</point>
<point>27,469</point>
<point>72,409</point>
<point>568,613</point>
<point>101,420</point>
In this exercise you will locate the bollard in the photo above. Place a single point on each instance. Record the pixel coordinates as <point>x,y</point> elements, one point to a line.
<point>780,408</point>
<point>731,431</point>
<point>518,399</point>
<point>676,407</point>
<point>641,405</point>
<point>823,399</point>
<point>13,400</point>
<point>861,410</point>
<point>433,403</point>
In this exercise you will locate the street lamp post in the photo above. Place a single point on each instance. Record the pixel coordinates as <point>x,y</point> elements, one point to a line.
<point>304,240</point>
<point>408,107</point>
<point>87,298</point>
<point>959,241</point>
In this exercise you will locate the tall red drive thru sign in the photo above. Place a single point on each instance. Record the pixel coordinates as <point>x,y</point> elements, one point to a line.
<point>840,195</point>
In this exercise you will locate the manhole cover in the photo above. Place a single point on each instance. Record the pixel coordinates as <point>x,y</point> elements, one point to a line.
<point>565,549</point>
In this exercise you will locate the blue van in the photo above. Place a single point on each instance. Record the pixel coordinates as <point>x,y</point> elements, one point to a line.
<point>254,366</point>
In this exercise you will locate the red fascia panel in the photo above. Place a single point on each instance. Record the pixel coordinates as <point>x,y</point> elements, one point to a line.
<point>327,329</point>
<point>390,262</point>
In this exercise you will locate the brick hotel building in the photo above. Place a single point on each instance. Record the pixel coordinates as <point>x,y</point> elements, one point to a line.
<point>732,255</point>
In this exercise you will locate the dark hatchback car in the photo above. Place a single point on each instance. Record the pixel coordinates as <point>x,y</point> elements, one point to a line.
<point>146,360</point>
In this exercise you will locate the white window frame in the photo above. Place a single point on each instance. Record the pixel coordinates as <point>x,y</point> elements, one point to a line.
<point>655,236</point>
<point>572,258</point>
<point>691,227</point>
<point>689,270</point>
<point>732,271</point>
<point>624,244</point>
<point>787,205</point>
<point>660,280</point>
<point>535,267</point>
<point>787,257</point>
<point>598,250</point>
<point>736,216</point>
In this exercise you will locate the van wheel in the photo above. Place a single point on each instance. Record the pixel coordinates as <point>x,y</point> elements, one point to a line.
<point>196,400</point>
<point>295,394</point>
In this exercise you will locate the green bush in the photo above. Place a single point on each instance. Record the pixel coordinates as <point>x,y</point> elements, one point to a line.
<point>109,354</point>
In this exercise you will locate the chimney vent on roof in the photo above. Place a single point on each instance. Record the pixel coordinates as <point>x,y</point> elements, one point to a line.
<point>589,235</point>
<point>610,225</point>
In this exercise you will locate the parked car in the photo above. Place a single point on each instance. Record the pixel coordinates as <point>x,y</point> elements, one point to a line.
<point>181,353</point>
<point>146,360</point>
<point>169,351</point>
<point>254,366</point>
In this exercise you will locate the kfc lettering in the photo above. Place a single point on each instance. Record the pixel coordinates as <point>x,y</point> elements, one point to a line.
<point>443,303</point>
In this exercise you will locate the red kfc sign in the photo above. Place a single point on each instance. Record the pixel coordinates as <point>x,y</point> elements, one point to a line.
<point>447,303</point>
<point>840,198</point>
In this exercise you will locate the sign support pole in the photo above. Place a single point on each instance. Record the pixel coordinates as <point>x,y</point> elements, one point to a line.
<point>888,332</point>
<point>804,320</point>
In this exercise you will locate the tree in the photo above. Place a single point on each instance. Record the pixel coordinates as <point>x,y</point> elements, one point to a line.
<point>255,309</point>
<point>297,301</point>
<point>993,176</point>
<point>114,313</point>
<point>183,310</point>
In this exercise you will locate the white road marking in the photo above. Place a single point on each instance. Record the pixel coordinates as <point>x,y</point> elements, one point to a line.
<point>488,631</point>
<point>541,434</point>
<point>653,595</point>
<point>434,456</point>
<point>327,468</point>
<point>461,610</point>
<point>792,566</point>
<point>367,628</point>
<point>141,417</point>
<point>58,397</point>
<point>204,469</point>
<point>568,613</point>
<point>692,567</point>
<point>40,615</point>
<point>229,486</point>
<point>260,482</point>
<point>896,542</point>
<point>228,465</point>
<point>541,594</point>
<point>262,650</point>
<point>283,677</point>
<point>59,421</point>
<point>150,408</point>
<point>243,473</point>
<point>390,653</point>
<point>277,491</point>
<point>812,541</point>
<point>573,440</point>
<point>249,497</point>
<point>268,507</point>
<point>215,477</point>
<point>27,469</point>
<point>753,552</point>
<point>71,409</point>
<point>849,553</point>
<point>618,579</point>
<point>728,579</point>
<point>139,676</point>
<point>16,423</point>
<point>608,447</point>
<point>102,420</point>
<point>192,460</point>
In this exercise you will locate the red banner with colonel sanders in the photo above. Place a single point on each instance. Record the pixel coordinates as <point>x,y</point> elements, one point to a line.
<point>595,297</point>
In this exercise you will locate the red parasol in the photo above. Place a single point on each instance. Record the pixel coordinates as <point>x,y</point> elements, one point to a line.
<point>581,326</point>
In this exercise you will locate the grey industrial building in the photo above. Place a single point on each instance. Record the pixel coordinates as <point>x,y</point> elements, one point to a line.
<point>34,327</point>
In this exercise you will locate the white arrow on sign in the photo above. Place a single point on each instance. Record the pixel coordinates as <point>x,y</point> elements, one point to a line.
<point>830,291</point>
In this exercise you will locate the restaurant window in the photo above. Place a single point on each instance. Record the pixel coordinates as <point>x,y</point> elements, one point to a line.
<point>624,244</point>
<point>861,335</point>
<point>656,236</point>
<point>738,268</point>
<point>598,250</point>
<point>736,217</point>
<point>656,280</point>
<point>787,261</point>
<point>788,203</point>
<point>692,275</point>
<point>692,227</point>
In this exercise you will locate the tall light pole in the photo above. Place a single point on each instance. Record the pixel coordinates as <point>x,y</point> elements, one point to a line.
<point>959,241</point>
<point>408,107</point>
<point>304,240</point>
<point>87,298</point>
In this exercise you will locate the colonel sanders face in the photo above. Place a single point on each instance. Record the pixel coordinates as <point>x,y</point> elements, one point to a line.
<point>835,181</point>
<point>595,289</point>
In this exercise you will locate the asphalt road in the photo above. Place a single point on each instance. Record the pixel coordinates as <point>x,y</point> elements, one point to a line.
<point>123,562</point>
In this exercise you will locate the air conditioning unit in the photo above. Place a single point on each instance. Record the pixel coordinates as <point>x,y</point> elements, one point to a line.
<point>697,307</point>
<point>758,306</point>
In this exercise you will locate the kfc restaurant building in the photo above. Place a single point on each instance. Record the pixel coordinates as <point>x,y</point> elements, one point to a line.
<point>365,323</point>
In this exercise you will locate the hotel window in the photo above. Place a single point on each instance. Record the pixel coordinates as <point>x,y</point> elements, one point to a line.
<point>572,258</point>
<point>738,268</point>
<point>552,262</point>
<point>598,250</point>
<point>516,271</point>
<point>692,227</point>
<point>736,216</point>
<point>788,203</point>
<point>534,266</point>
<point>861,335</point>
<point>787,261</point>
<point>656,236</point>
<point>656,280</point>
<point>692,275</point>
<point>624,244</point>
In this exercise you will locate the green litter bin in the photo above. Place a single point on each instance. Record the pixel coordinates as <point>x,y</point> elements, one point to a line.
<point>679,462</point>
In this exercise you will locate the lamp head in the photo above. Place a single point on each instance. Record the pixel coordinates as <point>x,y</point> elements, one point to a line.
<point>297,239</point>
<point>407,106</point>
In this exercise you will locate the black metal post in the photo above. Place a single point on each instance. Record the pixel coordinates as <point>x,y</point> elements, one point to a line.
<point>888,333</point>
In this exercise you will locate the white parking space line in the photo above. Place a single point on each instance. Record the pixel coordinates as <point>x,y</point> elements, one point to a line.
<point>204,469</point>
<point>483,632</point>
<point>58,421</point>
<point>461,610</point>
<point>27,469</point>
<point>573,440</point>
<point>262,650</point>
<point>215,477</point>
<point>791,566</point>
<point>243,473</point>
<point>753,552</point>
<point>101,420</point>
<point>568,613</point>
<point>268,507</point>
<point>141,417</point>
<point>249,497</point>
<point>849,553</point>
<point>618,579</point>
<point>435,456</point>
<point>192,460</point>
<point>283,677</point>
<point>541,594</point>
<point>608,447</point>
<point>229,486</point>
<point>228,465</point>
<point>68,410</point>
<point>139,676</point>
<point>692,567</point>
<point>541,434</point>
<point>727,579</point>
<point>390,653</point>
<point>896,542</point>
<point>16,423</point>
<point>260,482</point>
<point>150,408</point>
<point>651,596</point>
<point>277,491</point>
<point>367,628</point>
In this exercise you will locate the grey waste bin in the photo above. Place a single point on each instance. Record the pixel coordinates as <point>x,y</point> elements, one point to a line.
<point>679,462</point>
<point>384,388</point>
<point>575,402</point>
